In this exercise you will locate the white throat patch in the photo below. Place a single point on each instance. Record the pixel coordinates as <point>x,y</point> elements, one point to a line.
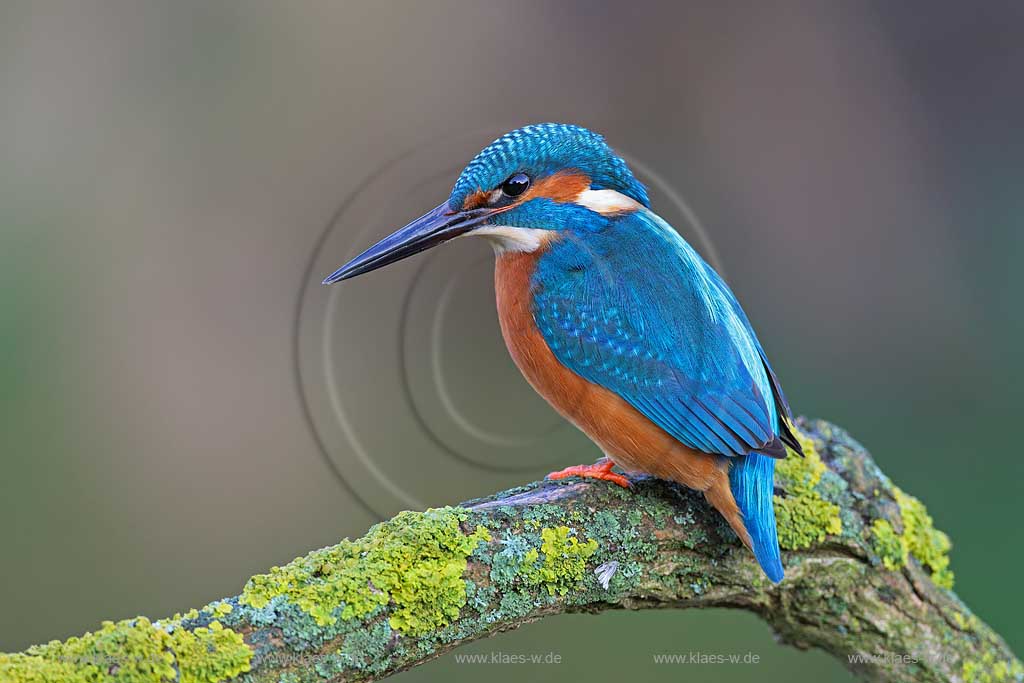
<point>505,238</point>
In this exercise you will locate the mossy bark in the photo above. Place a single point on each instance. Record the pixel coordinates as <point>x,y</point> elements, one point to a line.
<point>867,579</point>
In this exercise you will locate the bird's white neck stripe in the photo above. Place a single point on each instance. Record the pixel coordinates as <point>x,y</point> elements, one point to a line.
<point>607,202</point>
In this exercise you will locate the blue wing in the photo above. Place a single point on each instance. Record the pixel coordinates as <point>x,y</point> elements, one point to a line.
<point>633,308</point>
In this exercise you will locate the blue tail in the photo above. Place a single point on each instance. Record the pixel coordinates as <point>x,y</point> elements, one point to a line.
<point>752,480</point>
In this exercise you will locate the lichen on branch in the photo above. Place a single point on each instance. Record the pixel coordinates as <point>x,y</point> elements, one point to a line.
<point>867,579</point>
<point>413,563</point>
<point>804,516</point>
<point>136,651</point>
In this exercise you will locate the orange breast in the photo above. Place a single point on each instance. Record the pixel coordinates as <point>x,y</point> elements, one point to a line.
<point>624,434</point>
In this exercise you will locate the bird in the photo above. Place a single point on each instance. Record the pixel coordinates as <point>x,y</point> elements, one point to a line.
<point>615,320</point>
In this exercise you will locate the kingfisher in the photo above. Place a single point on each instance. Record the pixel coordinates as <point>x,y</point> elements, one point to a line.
<point>617,322</point>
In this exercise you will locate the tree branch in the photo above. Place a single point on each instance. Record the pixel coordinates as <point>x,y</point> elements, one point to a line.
<point>864,581</point>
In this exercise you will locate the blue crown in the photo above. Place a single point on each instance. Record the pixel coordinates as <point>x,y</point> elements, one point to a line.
<point>545,148</point>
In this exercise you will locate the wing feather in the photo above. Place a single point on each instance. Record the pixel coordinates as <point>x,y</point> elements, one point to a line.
<point>640,313</point>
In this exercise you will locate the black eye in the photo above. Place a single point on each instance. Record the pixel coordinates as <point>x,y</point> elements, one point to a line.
<point>516,184</point>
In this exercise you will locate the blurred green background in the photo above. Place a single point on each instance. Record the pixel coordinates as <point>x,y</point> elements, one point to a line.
<point>167,170</point>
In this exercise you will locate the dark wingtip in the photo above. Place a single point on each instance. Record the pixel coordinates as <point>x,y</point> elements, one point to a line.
<point>776,448</point>
<point>789,438</point>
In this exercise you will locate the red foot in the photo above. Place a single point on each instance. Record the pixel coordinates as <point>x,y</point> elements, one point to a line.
<point>599,470</point>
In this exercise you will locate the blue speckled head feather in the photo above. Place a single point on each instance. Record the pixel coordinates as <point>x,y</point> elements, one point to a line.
<point>542,149</point>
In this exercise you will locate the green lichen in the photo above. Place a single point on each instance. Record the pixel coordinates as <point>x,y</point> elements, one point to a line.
<point>133,651</point>
<point>920,538</point>
<point>926,543</point>
<point>220,608</point>
<point>412,563</point>
<point>990,669</point>
<point>966,622</point>
<point>890,547</point>
<point>209,654</point>
<point>563,563</point>
<point>803,516</point>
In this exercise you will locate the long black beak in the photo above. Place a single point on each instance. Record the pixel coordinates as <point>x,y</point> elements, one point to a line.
<point>432,228</point>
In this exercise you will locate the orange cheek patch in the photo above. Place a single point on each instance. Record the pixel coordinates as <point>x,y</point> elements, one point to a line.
<point>474,200</point>
<point>563,187</point>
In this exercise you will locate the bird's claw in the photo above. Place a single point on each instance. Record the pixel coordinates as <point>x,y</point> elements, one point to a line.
<point>600,470</point>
